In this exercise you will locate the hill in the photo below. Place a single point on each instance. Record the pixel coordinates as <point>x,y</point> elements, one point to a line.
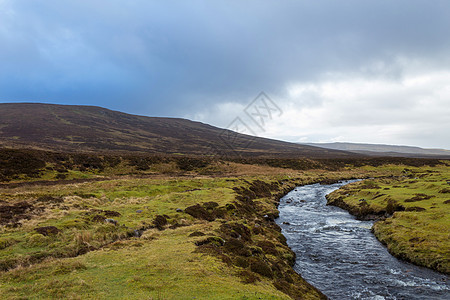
<point>72,128</point>
<point>384,150</point>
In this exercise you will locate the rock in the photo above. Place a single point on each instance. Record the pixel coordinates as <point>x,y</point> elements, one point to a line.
<point>270,217</point>
<point>179,210</point>
<point>137,233</point>
<point>139,211</point>
<point>286,223</point>
<point>184,222</point>
<point>111,221</point>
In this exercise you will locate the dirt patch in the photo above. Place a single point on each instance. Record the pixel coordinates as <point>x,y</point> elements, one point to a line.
<point>199,212</point>
<point>257,189</point>
<point>106,213</point>
<point>11,214</point>
<point>98,218</point>
<point>393,206</point>
<point>197,233</point>
<point>210,205</point>
<point>236,231</point>
<point>415,208</point>
<point>50,199</point>
<point>419,197</point>
<point>47,230</point>
<point>160,222</point>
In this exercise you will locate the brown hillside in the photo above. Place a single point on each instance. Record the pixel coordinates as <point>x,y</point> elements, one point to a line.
<point>93,129</point>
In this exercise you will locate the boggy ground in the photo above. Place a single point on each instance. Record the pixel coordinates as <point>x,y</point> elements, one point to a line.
<point>156,238</point>
<point>413,212</point>
<point>152,228</point>
<point>159,238</point>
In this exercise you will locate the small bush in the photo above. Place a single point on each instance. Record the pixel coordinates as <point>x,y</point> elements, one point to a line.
<point>248,277</point>
<point>6,242</point>
<point>236,247</point>
<point>261,268</point>
<point>268,247</point>
<point>213,240</point>
<point>37,240</point>
<point>242,262</point>
<point>189,164</point>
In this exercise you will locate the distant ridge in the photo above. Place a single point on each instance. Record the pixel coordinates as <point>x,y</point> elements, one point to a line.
<point>75,128</point>
<point>384,150</point>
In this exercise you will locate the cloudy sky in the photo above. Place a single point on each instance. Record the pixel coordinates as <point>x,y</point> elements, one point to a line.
<point>373,71</point>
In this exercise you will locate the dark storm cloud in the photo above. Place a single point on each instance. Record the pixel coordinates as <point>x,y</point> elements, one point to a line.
<point>178,57</point>
<point>169,54</point>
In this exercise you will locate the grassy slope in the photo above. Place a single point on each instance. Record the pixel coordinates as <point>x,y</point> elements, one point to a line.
<point>159,264</point>
<point>91,259</point>
<point>164,264</point>
<point>417,205</point>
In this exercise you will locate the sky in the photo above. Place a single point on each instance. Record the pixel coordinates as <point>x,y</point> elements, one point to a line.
<point>373,71</point>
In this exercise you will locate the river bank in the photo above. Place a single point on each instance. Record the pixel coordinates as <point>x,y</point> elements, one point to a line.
<point>339,255</point>
<point>412,213</point>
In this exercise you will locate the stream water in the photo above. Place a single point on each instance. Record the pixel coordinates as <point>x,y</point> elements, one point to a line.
<point>340,256</point>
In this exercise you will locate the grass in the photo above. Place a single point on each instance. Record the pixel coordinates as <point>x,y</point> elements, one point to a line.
<point>414,210</point>
<point>163,268</point>
<point>180,236</point>
<point>92,259</point>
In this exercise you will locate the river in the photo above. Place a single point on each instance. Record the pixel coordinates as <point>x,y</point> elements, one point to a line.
<point>340,256</point>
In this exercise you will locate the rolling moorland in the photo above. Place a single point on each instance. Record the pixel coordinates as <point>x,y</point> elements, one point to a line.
<point>160,224</point>
<point>94,129</point>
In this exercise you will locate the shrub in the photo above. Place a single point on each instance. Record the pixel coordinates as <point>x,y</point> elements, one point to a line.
<point>236,247</point>
<point>248,277</point>
<point>37,240</point>
<point>260,267</point>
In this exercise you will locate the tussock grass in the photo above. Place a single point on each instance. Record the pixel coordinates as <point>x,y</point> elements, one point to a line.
<point>148,250</point>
